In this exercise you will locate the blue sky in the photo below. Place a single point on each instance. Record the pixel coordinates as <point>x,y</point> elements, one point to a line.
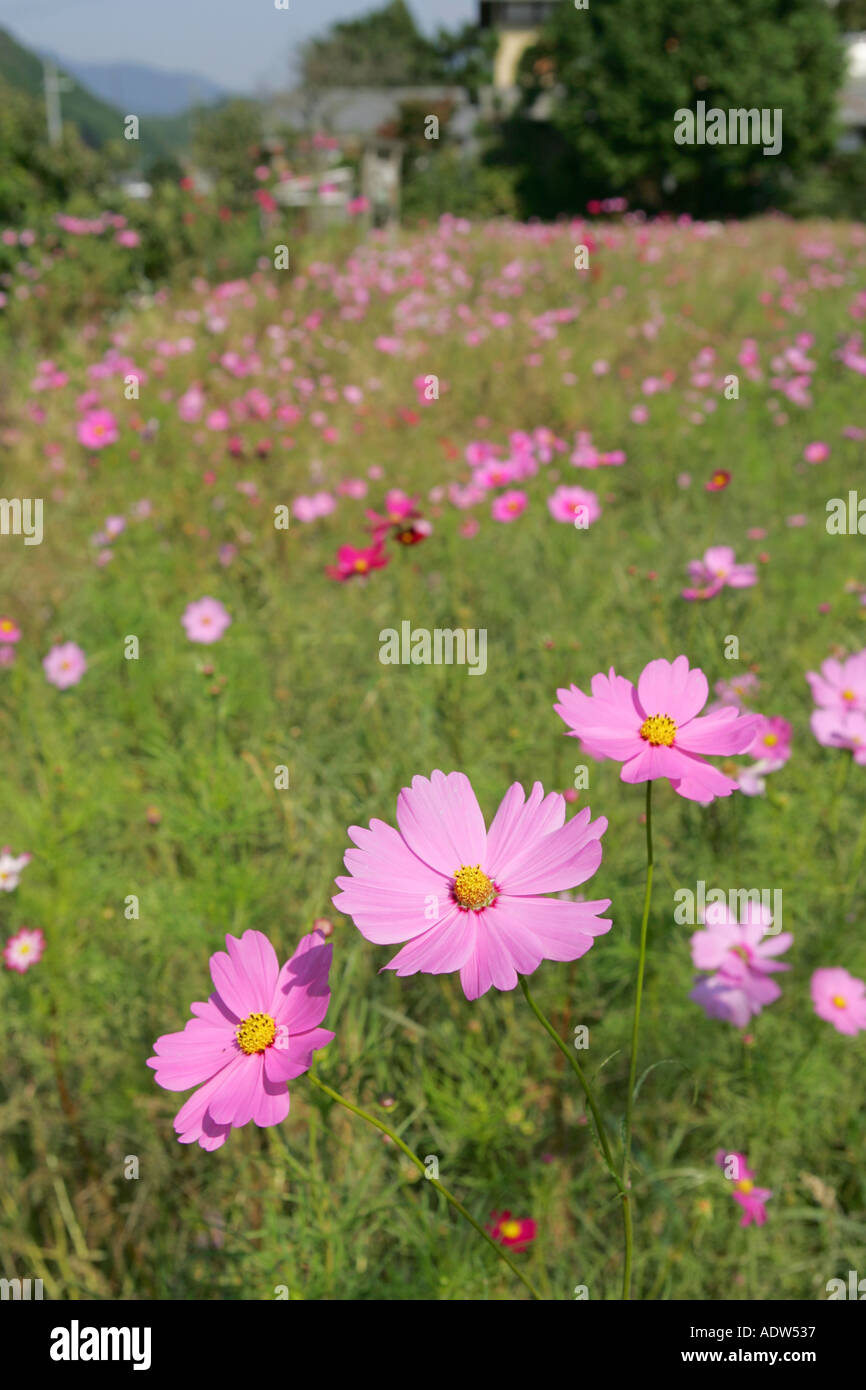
<point>238,43</point>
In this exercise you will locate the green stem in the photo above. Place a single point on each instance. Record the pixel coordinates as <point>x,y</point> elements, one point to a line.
<point>581,1076</point>
<point>632,1071</point>
<point>404,1148</point>
<point>601,1132</point>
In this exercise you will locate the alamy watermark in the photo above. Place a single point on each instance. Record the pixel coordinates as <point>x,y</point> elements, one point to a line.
<point>22,516</point>
<point>735,127</point>
<point>441,647</point>
<point>691,906</point>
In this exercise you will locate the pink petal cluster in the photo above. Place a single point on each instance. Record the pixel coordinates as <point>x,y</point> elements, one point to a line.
<point>258,1030</point>
<point>839,692</point>
<point>737,949</point>
<point>839,998</point>
<point>205,620</point>
<point>64,665</point>
<point>751,1198</point>
<point>653,728</point>
<point>11,868</point>
<point>24,949</point>
<point>718,570</point>
<point>98,429</point>
<point>574,504</point>
<point>471,899</point>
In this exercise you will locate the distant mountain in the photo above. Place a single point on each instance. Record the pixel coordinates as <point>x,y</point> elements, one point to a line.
<point>22,69</point>
<point>136,89</point>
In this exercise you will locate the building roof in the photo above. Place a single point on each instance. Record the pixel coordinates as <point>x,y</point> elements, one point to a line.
<point>364,110</point>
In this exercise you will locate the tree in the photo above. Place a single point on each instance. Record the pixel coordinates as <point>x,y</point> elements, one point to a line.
<point>616,73</point>
<point>381,49</point>
<point>227,144</point>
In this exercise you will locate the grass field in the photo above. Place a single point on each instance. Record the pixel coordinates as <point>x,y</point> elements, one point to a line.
<point>153,777</point>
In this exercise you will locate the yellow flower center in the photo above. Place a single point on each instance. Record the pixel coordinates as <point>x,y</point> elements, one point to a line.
<point>744,1185</point>
<point>658,730</point>
<point>510,1229</point>
<point>6,625</point>
<point>848,695</point>
<point>839,1001</point>
<point>24,949</point>
<point>771,740</point>
<point>472,888</point>
<point>361,566</point>
<point>256,1033</point>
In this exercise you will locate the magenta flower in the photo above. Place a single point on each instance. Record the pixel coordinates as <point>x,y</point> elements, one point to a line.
<point>740,954</point>
<point>24,949</point>
<point>470,899</point>
<point>841,685</point>
<point>258,1030</point>
<point>97,429</point>
<point>575,505</point>
<point>205,620</point>
<point>9,631</point>
<point>817,452</point>
<point>839,998</point>
<point>772,741</point>
<point>653,730</point>
<point>64,665</point>
<point>509,506</point>
<point>717,570</point>
<point>745,1193</point>
<point>354,563</point>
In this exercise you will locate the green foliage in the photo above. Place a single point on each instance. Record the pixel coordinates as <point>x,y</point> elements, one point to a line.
<point>94,121</point>
<point>227,144</point>
<point>382,49</point>
<point>617,72</point>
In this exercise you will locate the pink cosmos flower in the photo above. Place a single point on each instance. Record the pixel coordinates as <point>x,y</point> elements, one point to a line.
<point>11,868</point>
<point>65,665</point>
<point>470,899</point>
<point>736,948</point>
<point>653,729</point>
<point>772,742</point>
<point>733,692</point>
<point>817,452</point>
<point>205,620</point>
<point>749,1197</point>
<point>24,949</point>
<point>98,429</point>
<point>833,729</point>
<point>258,1030</point>
<point>399,509</point>
<point>841,685</point>
<point>516,1233</point>
<point>9,631</point>
<point>353,563</point>
<point>509,506</point>
<point>717,569</point>
<point>839,998</point>
<point>574,504</point>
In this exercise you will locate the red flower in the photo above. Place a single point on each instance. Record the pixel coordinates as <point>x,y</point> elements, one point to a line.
<point>512,1231</point>
<point>355,564</point>
<point>718,481</point>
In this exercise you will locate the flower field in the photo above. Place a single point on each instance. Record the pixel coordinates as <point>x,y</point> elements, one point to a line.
<point>363,626</point>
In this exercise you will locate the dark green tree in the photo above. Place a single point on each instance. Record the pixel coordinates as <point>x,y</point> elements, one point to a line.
<point>614,75</point>
<point>381,49</point>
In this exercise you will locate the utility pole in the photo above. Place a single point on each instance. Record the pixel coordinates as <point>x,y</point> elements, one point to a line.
<point>54,84</point>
